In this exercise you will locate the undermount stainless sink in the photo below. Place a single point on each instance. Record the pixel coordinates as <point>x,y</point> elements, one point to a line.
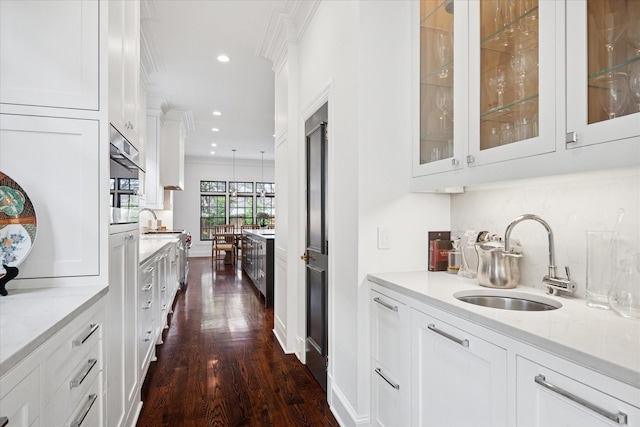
<point>508,300</point>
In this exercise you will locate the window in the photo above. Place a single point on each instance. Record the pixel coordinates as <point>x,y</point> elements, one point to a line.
<point>241,210</point>
<point>218,206</point>
<point>213,207</point>
<point>265,210</point>
<point>241,187</point>
<point>269,187</point>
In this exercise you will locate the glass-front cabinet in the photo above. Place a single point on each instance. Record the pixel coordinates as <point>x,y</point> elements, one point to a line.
<point>511,88</point>
<point>603,83</point>
<point>512,79</point>
<point>438,150</point>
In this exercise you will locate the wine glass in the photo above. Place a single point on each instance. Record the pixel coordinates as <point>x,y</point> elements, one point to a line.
<point>498,82</point>
<point>610,23</point>
<point>633,26</point>
<point>613,92</point>
<point>520,64</point>
<point>444,104</point>
<point>443,48</point>
<point>634,83</point>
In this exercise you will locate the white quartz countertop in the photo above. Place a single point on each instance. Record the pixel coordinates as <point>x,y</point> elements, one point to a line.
<point>267,233</point>
<point>29,317</point>
<point>598,339</point>
<point>149,245</point>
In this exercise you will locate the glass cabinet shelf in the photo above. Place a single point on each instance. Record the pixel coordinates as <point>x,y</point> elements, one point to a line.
<point>436,80</point>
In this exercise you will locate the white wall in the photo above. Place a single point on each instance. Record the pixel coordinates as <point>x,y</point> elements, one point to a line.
<point>571,205</point>
<point>361,52</point>
<point>384,162</point>
<point>186,204</point>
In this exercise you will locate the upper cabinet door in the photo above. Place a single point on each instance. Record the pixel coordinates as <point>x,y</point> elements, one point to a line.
<point>49,53</point>
<point>440,69</point>
<point>124,67</point>
<point>603,71</point>
<point>512,68</point>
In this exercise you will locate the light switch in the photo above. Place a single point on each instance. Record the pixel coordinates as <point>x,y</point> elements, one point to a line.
<point>383,238</point>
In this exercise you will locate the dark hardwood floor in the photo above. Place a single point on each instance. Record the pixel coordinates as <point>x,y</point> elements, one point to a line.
<point>221,365</point>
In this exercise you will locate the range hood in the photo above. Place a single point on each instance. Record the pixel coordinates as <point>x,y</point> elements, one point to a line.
<point>122,152</point>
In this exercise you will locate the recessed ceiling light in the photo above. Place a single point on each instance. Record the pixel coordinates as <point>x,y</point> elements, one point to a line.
<point>224,58</point>
<point>274,135</point>
<point>215,129</point>
<point>213,152</point>
<point>217,113</point>
<point>214,145</point>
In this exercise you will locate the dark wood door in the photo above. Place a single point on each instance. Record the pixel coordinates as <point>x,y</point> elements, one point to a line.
<point>317,246</point>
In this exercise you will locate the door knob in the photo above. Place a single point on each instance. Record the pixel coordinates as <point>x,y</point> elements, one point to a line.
<point>306,257</point>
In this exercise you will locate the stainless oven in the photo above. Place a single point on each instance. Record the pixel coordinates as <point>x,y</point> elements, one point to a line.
<point>124,169</point>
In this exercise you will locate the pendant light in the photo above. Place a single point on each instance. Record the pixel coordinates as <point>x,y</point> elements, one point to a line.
<point>263,184</point>
<point>234,193</point>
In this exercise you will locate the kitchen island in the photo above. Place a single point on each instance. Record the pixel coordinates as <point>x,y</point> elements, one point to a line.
<point>258,260</point>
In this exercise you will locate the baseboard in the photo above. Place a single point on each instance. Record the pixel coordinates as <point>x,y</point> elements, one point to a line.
<point>342,410</point>
<point>280,331</point>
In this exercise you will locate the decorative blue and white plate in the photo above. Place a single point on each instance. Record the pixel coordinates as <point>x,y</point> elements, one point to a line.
<point>18,222</point>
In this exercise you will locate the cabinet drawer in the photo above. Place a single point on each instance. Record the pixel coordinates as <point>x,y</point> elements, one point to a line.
<point>546,397</point>
<point>73,346</point>
<point>389,330</point>
<point>75,387</point>
<point>89,410</point>
<point>390,398</point>
<point>21,405</point>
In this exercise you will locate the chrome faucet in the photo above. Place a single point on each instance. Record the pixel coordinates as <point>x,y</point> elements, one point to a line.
<point>553,283</point>
<point>148,210</point>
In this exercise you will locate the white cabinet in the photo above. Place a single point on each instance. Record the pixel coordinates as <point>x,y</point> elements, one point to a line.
<point>49,54</point>
<point>593,76</point>
<point>122,343</point>
<point>548,396</point>
<point>55,161</point>
<point>147,283</point>
<point>49,385</point>
<point>21,404</point>
<point>166,289</point>
<point>124,67</point>
<point>459,378</point>
<point>154,190</point>
<point>172,158</point>
<point>504,89</point>
<point>390,350</point>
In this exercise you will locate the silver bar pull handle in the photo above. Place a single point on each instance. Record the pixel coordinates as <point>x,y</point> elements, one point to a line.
<point>148,336</point>
<point>620,417</point>
<point>464,343</point>
<point>384,304</point>
<point>79,341</point>
<point>82,375</point>
<point>148,306</point>
<point>391,383</point>
<point>147,287</point>
<point>148,270</point>
<point>90,401</point>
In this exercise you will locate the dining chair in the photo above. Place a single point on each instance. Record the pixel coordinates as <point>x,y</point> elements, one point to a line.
<point>223,241</point>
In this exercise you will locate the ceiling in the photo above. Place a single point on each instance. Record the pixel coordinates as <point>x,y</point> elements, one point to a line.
<point>184,38</point>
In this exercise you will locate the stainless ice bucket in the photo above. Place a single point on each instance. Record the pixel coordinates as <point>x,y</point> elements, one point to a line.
<point>497,268</point>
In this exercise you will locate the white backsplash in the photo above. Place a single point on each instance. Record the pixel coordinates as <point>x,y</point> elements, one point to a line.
<point>570,204</point>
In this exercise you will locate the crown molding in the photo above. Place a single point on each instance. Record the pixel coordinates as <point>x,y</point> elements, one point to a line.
<point>150,58</point>
<point>287,21</point>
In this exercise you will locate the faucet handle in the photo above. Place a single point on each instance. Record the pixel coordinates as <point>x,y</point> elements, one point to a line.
<point>559,284</point>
